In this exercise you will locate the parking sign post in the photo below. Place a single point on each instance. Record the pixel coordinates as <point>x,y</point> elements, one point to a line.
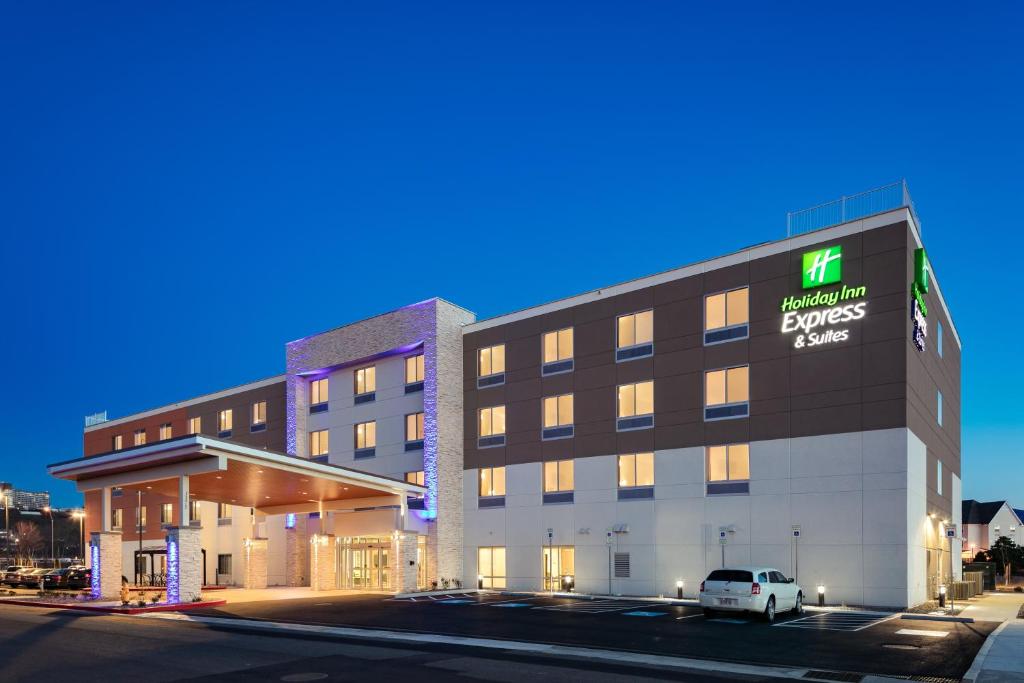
<point>951,534</point>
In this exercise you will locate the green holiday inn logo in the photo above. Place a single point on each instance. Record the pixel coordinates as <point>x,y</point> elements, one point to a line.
<point>823,267</point>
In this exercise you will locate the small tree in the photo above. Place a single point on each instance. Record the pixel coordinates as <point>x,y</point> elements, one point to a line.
<point>30,541</point>
<point>1006,553</point>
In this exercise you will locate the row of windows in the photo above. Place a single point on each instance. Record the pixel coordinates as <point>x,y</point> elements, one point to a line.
<point>167,514</point>
<point>722,311</point>
<point>729,462</point>
<point>225,424</point>
<point>725,387</point>
<point>558,562</point>
<point>365,381</point>
<point>364,435</point>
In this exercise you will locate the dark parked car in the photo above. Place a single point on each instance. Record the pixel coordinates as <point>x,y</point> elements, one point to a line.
<point>12,575</point>
<point>33,578</point>
<point>74,577</point>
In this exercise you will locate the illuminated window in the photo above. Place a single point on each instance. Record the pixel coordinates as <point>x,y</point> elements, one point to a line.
<point>195,425</point>
<point>414,427</point>
<point>558,476</point>
<point>366,380</point>
<point>318,391</point>
<point>414,369</point>
<point>415,477</point>
<point>259,413</point>
<point>938,477</point>
<point>366,435</point>
<point>938,407</point>
<point>558,410</point>
<point>635,329</point>
<point>225,419</point>
<point>166,513</point>
<point>116,518</point>
<point>140,517</point>
<point>140,437</point>
<point>726,316</point>
<point>558,345</point>
<point>726,393</point>
<point>492,481</point>
<point>492,421</point>
<point>491,360</point>
<point>195,511</point>
<point>636,399</point>
<point>636,469</point>
<point>166,431</point>
<point>938,339</point>
<point>223,511</point>
<point>490,565</point>
<point>117,443</point>
<point>319,443</point>
<point>729,463</point>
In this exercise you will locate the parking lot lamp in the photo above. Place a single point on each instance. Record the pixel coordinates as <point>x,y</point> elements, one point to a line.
<point>80,516</point>
<point>679,589</point>
<point>53,554</point>
<point>821,595</point>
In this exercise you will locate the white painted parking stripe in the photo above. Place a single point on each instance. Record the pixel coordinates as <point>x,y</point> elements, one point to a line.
<point>839,621</point>
<point>917,632</point>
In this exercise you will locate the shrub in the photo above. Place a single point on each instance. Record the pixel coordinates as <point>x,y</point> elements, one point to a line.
<point>1018,589</point>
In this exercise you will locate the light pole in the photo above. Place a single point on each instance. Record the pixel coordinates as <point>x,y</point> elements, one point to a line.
<point>80,516</point>
<point>53,554</point>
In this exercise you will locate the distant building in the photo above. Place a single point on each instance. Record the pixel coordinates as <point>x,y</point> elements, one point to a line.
<point>24,500</point>
<point>984,523</point>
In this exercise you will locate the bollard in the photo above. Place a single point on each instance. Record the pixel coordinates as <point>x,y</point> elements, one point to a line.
<point>679,589</point>
<point>479,581</point>
<point>942,596</point>
<point>821,595</point>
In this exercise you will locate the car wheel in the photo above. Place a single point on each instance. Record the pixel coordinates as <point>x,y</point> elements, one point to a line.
<point>708,612</point>
<point>798,608</point>
<point>769,610</point>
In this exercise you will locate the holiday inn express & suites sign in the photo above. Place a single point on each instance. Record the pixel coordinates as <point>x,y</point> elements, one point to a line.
<point>818,318</point>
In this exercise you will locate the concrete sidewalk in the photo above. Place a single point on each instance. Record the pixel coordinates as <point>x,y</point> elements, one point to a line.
<point>1001,658</point>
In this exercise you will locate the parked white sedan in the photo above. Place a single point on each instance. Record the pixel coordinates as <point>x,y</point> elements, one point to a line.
<point>761,590</point>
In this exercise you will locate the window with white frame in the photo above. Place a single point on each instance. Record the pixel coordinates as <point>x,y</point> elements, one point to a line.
<point>416,477</point>
<point>117,443</point>
<point>728,463</point>
<point>727,393</point>
<point>491,360</point>
<point>117,518</point>
<point>259,413</point>
<point>726,315</point>
<point>366,435</point>
<point>938,407</point>
<point>318,391</point>
<point>636,469</point>
<point>558,345</point>
<point>492,481</point>
<point>319,443</point>
<point>558,410</point>
<point>366,380</point>
<point>195,425</point>
<point>139,437</point>
<point>166,513</point>
<point>414,369</point>
<point>558,476</point>
<point>225,420</point>
<point>636,399</point>
<point>635,329</point>
<point>166,431</point>
<point>414,427</point>
<point>492,421</point>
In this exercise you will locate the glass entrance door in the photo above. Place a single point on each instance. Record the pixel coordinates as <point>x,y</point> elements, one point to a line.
<point>559,562</point>
<point>365,564</point>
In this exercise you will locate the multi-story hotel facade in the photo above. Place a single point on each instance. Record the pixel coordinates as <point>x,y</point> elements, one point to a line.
<point>794,404</point>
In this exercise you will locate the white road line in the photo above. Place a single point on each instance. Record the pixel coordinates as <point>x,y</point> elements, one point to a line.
<point>689,616</point>
<point>917,632</point>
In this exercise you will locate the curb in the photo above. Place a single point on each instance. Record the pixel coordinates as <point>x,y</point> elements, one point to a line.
<point>116,610</point>
<point>972,674</point>
<point>936,617</point>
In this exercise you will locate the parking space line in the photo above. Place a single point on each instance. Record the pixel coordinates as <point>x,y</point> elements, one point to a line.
<point>689,616</point>
<point>917,632</point>
<point>839,621</point>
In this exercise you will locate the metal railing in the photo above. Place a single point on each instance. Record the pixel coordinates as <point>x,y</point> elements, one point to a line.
<point>881,199</point>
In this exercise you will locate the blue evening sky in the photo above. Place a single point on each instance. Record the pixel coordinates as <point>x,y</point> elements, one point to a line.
<point>184,187</point>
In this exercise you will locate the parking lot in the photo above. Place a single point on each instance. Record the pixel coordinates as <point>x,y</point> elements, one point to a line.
<point>864,642</point>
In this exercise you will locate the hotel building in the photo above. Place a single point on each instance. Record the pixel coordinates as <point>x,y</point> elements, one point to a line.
<point>794,404</point>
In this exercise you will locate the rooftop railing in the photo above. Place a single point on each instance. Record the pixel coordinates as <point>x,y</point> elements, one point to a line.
<point>878,200</point>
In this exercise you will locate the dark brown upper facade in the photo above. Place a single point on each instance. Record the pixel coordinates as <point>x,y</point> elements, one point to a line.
<point>876,379</point>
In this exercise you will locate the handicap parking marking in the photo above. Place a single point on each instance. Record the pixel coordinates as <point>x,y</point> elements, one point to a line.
<point>456,601</point>
<point>598,606</point>
<point>729,621</point>
<point>510,604</point>
<point>641,613</point>
<point>839,621</point>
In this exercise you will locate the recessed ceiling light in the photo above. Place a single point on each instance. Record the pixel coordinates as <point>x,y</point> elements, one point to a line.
<point>259,471</point>
<point>149,488</point>
<point>266,496</point>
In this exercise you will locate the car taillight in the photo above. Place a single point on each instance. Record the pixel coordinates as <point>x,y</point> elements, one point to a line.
<point>755,589</point>
<point>701,586</point>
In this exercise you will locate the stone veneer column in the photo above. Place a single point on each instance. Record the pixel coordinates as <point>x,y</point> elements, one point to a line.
<point>296,553</point>
<point>105,561</point>
<point>403,550</point>
<point>444,354</point>
<point>184,564</point>
<point>254,554</point>
<point>322,575</point>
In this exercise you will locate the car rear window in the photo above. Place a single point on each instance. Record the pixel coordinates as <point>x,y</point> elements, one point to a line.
<point>731,575</point>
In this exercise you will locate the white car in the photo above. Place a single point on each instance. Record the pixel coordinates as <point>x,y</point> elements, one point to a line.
<point>761,590</point>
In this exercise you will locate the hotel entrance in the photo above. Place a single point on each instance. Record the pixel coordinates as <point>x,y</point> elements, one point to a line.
<point>364,563</point>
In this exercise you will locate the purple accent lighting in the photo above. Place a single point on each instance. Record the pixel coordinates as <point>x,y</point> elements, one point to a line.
<point>289,520</point>
<point>94,579</point>
<point>173,583</point>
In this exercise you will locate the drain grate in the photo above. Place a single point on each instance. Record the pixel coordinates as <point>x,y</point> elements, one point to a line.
<point>834,676</point>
